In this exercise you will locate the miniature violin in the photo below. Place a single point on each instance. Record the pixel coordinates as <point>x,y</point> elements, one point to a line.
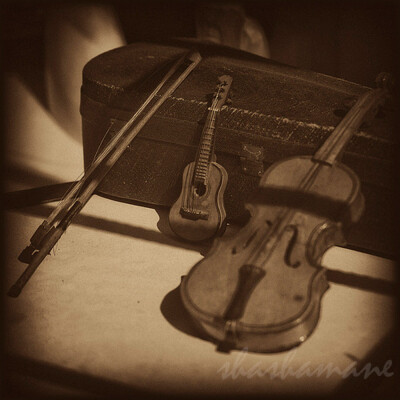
<point>199,212</point>
<point>262,288</point>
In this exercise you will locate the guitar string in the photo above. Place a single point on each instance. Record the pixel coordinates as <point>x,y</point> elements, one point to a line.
<point>211,116</point>
<point>192,177</point>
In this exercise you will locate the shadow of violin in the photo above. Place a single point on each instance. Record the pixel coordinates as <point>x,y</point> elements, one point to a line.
<point>175,313</point>
<point>165,236</point>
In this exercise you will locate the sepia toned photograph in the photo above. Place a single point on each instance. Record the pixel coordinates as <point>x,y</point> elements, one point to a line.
<point>200,199</point>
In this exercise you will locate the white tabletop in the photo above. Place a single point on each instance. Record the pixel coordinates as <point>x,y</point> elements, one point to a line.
<point>106,305</point>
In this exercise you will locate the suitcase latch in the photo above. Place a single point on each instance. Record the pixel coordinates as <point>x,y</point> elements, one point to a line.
<point>251,160</point>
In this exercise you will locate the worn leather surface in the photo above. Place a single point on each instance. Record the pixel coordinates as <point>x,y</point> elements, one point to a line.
<point>281,109</point>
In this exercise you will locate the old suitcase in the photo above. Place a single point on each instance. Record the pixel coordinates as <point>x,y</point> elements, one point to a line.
<point>276,111</point>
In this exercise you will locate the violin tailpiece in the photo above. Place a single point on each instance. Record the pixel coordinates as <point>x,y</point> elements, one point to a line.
<point>249,276</point>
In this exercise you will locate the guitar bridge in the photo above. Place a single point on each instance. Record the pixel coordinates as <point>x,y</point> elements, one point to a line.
<point>193,213</point>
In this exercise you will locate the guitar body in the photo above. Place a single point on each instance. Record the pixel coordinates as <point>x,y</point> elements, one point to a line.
<point>199,213</point>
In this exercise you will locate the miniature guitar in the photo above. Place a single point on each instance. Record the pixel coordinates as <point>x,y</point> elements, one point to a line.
<point>199,212</point>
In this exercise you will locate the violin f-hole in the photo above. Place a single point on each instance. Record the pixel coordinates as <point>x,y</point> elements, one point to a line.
<point>290,246</point>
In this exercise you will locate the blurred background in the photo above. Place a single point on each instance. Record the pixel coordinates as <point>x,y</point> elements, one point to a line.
<point>46,44</point>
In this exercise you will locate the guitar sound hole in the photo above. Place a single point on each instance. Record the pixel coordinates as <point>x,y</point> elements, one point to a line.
<point>200,189</point>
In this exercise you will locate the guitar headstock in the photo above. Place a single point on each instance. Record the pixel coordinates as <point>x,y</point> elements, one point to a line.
<point>222,91</point>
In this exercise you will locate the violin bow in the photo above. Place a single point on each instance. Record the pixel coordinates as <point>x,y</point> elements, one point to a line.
<point>48,233</point>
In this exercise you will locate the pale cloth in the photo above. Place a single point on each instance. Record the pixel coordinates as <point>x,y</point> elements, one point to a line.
<point>47,142</point>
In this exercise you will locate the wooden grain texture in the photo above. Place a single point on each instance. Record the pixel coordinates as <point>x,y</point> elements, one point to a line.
<point>282,304</point>
<point>211,203</point>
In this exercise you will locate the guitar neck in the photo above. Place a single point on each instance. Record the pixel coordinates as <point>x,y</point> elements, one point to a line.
<point>206,147</point>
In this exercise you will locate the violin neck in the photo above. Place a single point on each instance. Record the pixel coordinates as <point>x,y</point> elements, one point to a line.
<point>365,108</point>
<point>206,147</point>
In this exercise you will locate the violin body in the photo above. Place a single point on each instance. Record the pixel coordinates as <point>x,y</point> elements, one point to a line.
<point>262,291</point>
<point>198,216</point>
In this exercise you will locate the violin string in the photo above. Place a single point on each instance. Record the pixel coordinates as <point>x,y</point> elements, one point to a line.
<point>346,128</point>
<point>286,214</point>
<point>350,123</point>
<point>273,233</point>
